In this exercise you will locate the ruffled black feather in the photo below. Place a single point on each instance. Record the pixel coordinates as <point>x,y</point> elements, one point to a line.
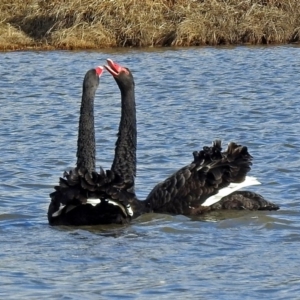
<point>78,185</point>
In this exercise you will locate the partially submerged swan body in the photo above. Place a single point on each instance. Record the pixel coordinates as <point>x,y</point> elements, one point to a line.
<point>212,181</point>
<point>84,198</point>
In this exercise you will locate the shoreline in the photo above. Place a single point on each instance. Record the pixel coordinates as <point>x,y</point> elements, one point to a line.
<point>44,49</point>
<point>33,25</point>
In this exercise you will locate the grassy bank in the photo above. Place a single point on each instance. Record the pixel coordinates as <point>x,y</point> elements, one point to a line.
<point>94,24</point>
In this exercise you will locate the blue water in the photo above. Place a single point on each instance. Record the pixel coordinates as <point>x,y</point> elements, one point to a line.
<point>185,99</point>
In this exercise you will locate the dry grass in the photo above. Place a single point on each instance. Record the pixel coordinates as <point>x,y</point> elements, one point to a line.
<point>92,24</point>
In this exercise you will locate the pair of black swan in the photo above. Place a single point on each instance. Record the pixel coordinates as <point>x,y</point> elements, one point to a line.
<point>85,197</point>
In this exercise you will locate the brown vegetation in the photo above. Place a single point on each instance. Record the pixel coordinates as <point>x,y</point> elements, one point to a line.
<point>92,24</point>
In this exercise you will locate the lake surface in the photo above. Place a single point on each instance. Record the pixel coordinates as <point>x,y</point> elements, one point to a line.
<point>185,98</point>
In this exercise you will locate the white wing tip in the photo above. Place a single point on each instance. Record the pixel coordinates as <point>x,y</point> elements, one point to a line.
<point>249,180</point>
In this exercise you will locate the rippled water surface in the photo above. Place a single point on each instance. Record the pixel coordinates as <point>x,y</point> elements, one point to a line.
<point>185,99</point>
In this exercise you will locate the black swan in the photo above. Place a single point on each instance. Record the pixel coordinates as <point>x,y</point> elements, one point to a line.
<point>209,183</point>
<point>81,196</point>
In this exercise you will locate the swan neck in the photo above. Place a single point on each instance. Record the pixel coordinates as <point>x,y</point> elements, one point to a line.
<point>124,163</point>
<point>86,150</point>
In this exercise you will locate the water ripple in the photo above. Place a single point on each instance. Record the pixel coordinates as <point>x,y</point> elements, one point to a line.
<point>185,99</point>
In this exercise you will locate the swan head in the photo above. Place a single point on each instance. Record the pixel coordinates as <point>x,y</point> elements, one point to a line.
<point>91,79</point>
<point>122,75</point>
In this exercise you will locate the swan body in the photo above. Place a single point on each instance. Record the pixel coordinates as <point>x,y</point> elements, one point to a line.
<point>213,177</point>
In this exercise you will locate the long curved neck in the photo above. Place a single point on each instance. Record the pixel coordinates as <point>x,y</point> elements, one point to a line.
<point>124,163</point>
<point>86,145</point>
